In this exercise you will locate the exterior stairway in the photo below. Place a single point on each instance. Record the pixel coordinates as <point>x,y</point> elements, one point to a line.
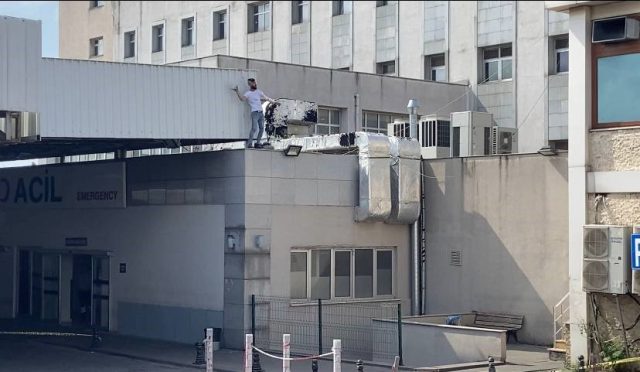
<point>561,325</point>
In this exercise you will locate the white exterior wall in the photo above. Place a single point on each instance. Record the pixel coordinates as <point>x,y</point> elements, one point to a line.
<point>156,243</point>
<point>139,101</point>
<point>19,64</point>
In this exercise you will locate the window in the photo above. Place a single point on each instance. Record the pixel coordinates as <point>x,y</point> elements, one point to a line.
<point>187,31</point>
<point>260,17</point>
<point>157,33</point>
<point>386,68</point>
<point>97,47</point>
<point>436,68</point>
<point>220,25</point>
<point>341,273</point>
<point>300,12</point>
<point>321,274</point>
<point>384,3</point>
<point>298,275</point>
<point>561,55</point>
<point>328,121</point>
<point>497,63</point>
<point>129,44</point>
<point>377,122</point>
<point>615,81</point>
<point>342,7</point>
<point>95,4</point>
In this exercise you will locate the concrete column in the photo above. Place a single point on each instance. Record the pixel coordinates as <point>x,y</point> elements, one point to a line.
<point>579,124</point>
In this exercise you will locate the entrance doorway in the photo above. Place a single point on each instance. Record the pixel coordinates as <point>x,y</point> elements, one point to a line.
<point>81,290</point>
<point>90,291</point>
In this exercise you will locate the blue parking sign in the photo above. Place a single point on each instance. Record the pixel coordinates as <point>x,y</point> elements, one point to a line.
<point>635,251</point>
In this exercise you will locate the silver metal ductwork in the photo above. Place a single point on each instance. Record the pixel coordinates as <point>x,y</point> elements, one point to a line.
<point>374,182</point>
<point>405,181</point>
<point>389,173</point>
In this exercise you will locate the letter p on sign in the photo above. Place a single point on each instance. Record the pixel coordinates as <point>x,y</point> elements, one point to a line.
<point>635,251</point>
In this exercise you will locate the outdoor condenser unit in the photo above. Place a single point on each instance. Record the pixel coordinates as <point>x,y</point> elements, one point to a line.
<point>605,264</point>
<point>504,140</point>
<point>471,133</point>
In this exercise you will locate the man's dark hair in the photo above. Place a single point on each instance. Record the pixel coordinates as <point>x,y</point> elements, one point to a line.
<point>251,80</point>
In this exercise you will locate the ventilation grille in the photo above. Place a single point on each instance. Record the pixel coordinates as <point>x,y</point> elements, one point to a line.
<point>456,258</point>
<point>401,130</point>
<point>596,243</point>
<point>595,276</point>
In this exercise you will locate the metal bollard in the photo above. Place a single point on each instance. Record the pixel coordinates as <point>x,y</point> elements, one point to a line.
<point>581,366</point>
<point>95,339</point>
<point>360,365</point>
<point>199,353</point>
<point>255,365</point>
<point>314,365</point>
<point>492,367</point>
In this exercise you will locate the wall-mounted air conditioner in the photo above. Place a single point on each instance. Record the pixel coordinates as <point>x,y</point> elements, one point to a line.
<point>504,140</point>
<point>605,263</point>
<point>612,30</point>
<point>471,133</point>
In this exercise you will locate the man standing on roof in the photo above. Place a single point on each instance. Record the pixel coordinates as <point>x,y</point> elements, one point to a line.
<point>254,97</point>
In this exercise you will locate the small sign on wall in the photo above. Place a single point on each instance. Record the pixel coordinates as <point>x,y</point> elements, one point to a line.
<point>123,268</point>
<point>76,242</point>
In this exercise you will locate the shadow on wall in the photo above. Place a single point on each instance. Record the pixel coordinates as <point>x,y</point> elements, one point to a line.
<point>506,219</point>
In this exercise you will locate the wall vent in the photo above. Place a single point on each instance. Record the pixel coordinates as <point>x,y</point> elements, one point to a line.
<point>456,258</point>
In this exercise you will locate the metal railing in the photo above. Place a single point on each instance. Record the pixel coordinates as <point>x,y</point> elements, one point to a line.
<point>314,325</point>
<point>560,317</point>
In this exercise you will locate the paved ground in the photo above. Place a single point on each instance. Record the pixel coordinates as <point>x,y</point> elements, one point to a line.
<point>22,355</point>
<point>121,353</point>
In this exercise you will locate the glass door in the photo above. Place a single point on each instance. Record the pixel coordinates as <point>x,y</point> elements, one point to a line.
<point>51,286</point>
<point>36,285</point>
<point>101,276</point>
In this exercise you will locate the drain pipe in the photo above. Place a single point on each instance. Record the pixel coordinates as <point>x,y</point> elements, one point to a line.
<point>414,238</point>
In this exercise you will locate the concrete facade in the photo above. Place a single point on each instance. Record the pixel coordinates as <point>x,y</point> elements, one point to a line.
<point>79,23</point>
<point>402,32</point>
<point>608,154</point>
<point>455,344</point>
<point>506,233</point>
<point>266,202</point>
<point>350,93</point>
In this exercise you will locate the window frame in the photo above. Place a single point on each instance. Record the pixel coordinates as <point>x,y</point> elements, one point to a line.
<point>434,69</point>
<point>602,50</point>
<point>329,125</point>
<point>215,28</point>
<point>185,28</point>
<point>297,12</point>
<point>96,4</point>
<point>352,282</point>
<point>96,50</point>
<point>127,43</point>
<point>338,8</point>
<point>500,59</point>
<point>161,25</point>
<point>254,26</point>
<point>392,117</point>
<point>556,51</point>
<point>380,67</point>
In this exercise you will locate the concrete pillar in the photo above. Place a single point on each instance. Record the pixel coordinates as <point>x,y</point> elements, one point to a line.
<point>579,124</point>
